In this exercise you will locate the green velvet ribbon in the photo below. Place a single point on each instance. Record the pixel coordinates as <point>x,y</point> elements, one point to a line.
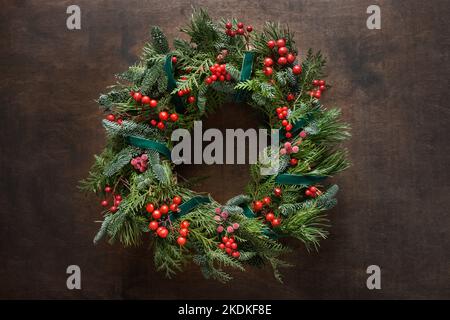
<point>149,144</point>
<point>189,205</point>
<point>298,179</point>
<point>172,84</point>
<point>246,70</point>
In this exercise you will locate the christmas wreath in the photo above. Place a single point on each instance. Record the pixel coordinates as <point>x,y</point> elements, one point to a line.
<point>165,90</point>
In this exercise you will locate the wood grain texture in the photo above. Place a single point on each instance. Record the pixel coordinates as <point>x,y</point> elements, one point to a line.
<point>393,206</point>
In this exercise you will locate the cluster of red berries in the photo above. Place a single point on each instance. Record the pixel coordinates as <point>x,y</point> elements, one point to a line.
<point>184,231</point>
<point>264,205</point>
<point>116,199</point>
<point>274,221</point>
<point>260,204</point>
<point>239,31</point>
<point>139,98</point>
<point>164,116</point>
<point>284,57</point>
<point>140,163</point>
<point>283,113</point>
<point>112,118</point>
<point>230,246</point>
<point>288,149</point>
<point>313,192</point>
<point>184,92</point>
<point>218,72</point>
<point>320,87</point>
<point>157,214</point>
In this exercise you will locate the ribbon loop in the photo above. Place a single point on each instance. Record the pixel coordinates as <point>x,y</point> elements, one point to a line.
<point>172,84</point>
<point>297,179</point>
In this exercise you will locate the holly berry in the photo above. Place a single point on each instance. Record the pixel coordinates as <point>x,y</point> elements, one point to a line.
<point>163,115</point>
<point>268,62</point>
<point>153,103</point>
<point>110,117</point>
<point>282,61</point>
<point>288,127</point>
<point>174,59</point>
<point>164,209</point>
<point>317,94</point>
<point>281,43</point>
<point>153,122</point>
<point>293,162</point>
<point>249,28</point>
<point>228,25</point>
<point>104,203</point>
<point>176,200</point>
<point>185,224</point>
<point>290,97</point>
<point>163,232</point>
<point>267,200</point>
<point>277,192</point>
<point>268,71</point>
<point>145,100</point>
<point>308,193</point>
<point>236,254</point>
<point>225,239</point>
<point>270,216</point>
<point>321,82</point>
<point>137,96</point>
<point>156,214</point>
<point>282,51</point>
<point>258,205</point>
<point>276,222</point>
<point>113,209</point>
<point>184,232</point>
<point>271,44</point>
<point>240,25</point>
<point>284,123</point>
<point>322,88</point>
<point>191,99</point>
<point>221,246</point>
<point>173,207</point>
<point>153,225</point>
<point>160,125</point>
<point>108,189</point>
<point>240,31</point>
<point>288,135</point>
<point>290,58</point>
<point>174,117</point>
<point>297,69</point>
<point>315,83</point>
<point>150,208</point>
<point>181,241</point>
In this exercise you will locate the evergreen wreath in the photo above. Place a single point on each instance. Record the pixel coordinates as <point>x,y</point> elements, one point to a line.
<point>168,89</point>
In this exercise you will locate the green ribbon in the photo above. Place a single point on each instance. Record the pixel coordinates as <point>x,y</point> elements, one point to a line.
<point>297,179</point>
<point>189,205</point>
<point>247,211</point>
<point>149,144</point>
<point>172,84</point>
<point>246,70</point>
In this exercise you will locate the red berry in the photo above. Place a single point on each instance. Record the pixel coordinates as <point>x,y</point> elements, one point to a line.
<point>267,200</point>
<point>240,31</point>
<point>315,82</point>
<point>317,94</point>
<point>156,214</point>
<point>174,59</point>
<point>164,209</point>
<point>277,192</point>
<point>234,246</point>
<point>258,205</point>
<point>184,232</point>
<point>145,100</point>
<point>322,88</point>
<point>282,51</point>
<point>308,193</point>
<point>289,127</point>
<point>153,103</point>
<point>191,99</point>
<point>221,246</point>
<point>279,110</point>
<point>153,122</point>
<point>108,189</point>
<point>228,250</point>
<point>110,117</point>
<point>288,135</point>
<point>153,225</point>
<point>160,125</point>
<point>180,93</point>
<point>225,239</point>
<point>181,241</point>
<point>290,97</point>
<point>236,254</point>
<point>268,71</point>
<point>118,197</point>
<point>214,77</point>
<point>268,62</point>
<point>113,209</point>
<point>281,43</point>
<point>297,69</point>
<point>176,200</point>
<point>104,203</point>
<point>232,33</point>
<point>240,25</point>
<point>270,216</point>
<point>290,58</point>
<point>228,25</point>
<point>137,96</point>
<point>174,117</point>
<point>249,28</point>
<point>321,82</point>
<point>282,61</point>
<point>271,44</point>
<point>185,224</point>
<point>119,121</point>
<point>276,222</point>
<point>284,123</point>
<point>173,207</point>
<point>293,161</point>
<point>163,232</point>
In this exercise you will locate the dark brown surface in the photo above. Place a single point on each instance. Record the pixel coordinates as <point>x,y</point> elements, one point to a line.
<point>393,207</point>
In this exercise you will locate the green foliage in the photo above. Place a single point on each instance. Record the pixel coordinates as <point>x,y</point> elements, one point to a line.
<point>159,40</point>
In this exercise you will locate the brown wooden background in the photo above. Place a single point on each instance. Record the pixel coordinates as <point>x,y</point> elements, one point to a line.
<point>393,207</point>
